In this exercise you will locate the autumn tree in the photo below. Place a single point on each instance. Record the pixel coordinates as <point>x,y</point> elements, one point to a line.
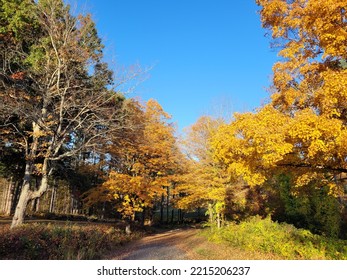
<point>57,95</point>
<point>143,165</point>
<point>304,125</point>
<point>302,131</point>
<point>205,181</point>
<point>309,84</point>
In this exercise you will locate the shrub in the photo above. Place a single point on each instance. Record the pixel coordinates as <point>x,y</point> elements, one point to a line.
<point>284,240</point>
<point>67,241</point>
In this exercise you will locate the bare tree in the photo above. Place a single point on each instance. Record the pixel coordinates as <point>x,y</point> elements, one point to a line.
<point>59,99</point>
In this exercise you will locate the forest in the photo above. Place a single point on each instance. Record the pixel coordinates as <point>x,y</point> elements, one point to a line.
<point>75,147</point>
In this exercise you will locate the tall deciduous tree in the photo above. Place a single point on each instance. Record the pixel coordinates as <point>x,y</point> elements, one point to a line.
<point>56,92</point>
<point>205,181</point>
<point>144,166</point>
<point>303,130</point>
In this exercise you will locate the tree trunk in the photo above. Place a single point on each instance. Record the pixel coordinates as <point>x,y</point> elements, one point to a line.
<point>4,199</point>
<point>182,216</point>
<point>162,209</point>
<point>150,216</point>
<point>128,229</point>
<point>143,217</point>
<point>179,213</point>
<point>35,205</point>
<point>167,205</point>
<point>172,215</point>
<point>103,212</point>
<point>210,213</point>
<point>218,220</point>
<point>53,197</point>
<point>9,197</point>
<point>172,212</point>
<point>27,195</point>
<point>23,201</point>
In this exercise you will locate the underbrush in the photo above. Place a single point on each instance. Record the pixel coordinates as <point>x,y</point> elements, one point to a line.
<point>283,240</point>
<point>57,242</point>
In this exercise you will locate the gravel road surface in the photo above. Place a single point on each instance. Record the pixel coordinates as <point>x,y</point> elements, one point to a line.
<point>161,246</point>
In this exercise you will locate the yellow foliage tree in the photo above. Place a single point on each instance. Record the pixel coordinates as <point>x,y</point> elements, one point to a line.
<point>302,131</point>
<point>204,183</point>
<point>146,162</point>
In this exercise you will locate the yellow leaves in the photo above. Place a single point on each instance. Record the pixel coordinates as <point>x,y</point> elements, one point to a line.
<point>255,146</point>
<point>247,172</point>
<point>155,111</point>
<point>204,180</point>
<point>99,194</point>
<point>316,180</point>
<point>132,192</point>
<point>272,13</point>
<point>292,50</point>
<point>341,144</point>
<point>309,20</point>
<point>149,158</point>
<point>334,190</point>
<point>318,134</point>
<point>315,34</point>
<point>129,206</point>
<point>253,142</point>
<point>332,96</point>
<point>317,146</point>
<point>310,87</point>
<point>198,137</point>
<point>138,168</point>
<point>38,168</point>
<point>305,179</point>
<point>37,133</point>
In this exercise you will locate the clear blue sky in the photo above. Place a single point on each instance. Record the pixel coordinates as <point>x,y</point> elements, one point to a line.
<point>203,52</point>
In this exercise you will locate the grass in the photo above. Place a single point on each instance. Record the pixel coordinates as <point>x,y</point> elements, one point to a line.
<point>255,238</point>
<point>201,247</point>
<point>61,241</point>
<point>278,241</point>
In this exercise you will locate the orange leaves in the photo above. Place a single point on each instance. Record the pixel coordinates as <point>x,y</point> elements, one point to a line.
<point>155,111</point>
<point>308,22</point>
<point>148,159</point>
<point>18,76</point>
<point>274,12</point>
<point>313,33</point>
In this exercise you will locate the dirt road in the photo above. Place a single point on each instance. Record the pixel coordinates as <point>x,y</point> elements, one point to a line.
<point>161,246</point>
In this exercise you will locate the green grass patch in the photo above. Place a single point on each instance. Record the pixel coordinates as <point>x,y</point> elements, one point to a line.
<point>57,242</point>
<point>284,240</point>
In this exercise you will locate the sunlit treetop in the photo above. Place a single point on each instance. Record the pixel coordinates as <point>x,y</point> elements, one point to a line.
<point>302,130</point>
<point>312,37</point>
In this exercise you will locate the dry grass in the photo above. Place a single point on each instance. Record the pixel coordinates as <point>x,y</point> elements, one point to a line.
<point>59,241</point>
<point>258,238</point>
<point>198,247</point>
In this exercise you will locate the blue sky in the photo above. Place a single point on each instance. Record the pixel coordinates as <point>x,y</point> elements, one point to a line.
<point>205,55</point>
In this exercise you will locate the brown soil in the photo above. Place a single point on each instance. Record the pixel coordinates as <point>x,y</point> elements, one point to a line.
<point>161,246</point>
<point>184,244</point>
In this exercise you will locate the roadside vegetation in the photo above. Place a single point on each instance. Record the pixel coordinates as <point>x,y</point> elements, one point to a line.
<point>65,241</point>
<point>276,241</point>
